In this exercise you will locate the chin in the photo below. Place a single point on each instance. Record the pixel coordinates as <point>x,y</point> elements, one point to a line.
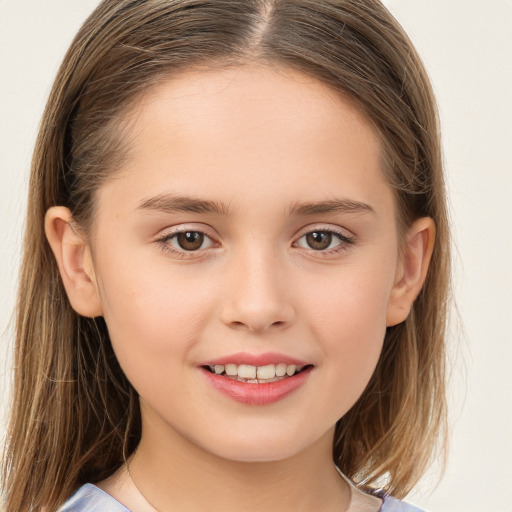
<point>253,455</point>
<point>272,447</point>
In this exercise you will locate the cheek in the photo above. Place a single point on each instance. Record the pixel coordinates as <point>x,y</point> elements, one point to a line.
<point>348,318</point>
<point>354,300</point>
<point>154,322</point>
<point>154,313</point>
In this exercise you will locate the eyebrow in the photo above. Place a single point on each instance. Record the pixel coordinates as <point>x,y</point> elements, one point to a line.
<point>169,203</point>
<point>172,203</point>
<point>330,206</point>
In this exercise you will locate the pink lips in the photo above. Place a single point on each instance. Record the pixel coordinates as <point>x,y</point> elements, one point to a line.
<point>251,393</point>
<point>255,359</point>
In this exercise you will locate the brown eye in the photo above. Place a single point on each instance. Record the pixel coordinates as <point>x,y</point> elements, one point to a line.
<point>319,240</point>
<point>325,241</point>
<point>190,240</point>
<point>187,243</point>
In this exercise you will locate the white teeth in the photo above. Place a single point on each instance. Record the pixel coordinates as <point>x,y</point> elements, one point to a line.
<point>256,373</point>
<point>280,370</point>
<point>246,371</point>
<point>231,369</point>
<point>266,372</point>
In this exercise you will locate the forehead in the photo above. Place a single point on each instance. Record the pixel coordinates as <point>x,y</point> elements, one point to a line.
<point>250,84</point>
<point>257,97</point>
<point>251,132</point>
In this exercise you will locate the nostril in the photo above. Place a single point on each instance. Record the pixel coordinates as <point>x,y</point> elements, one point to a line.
<point>254,327</point>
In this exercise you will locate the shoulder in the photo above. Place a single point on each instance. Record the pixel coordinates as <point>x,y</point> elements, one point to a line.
<point>90,498</point>
<point>390,504</point>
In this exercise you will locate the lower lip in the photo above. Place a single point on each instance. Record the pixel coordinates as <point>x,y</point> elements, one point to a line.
<point>257,394</point>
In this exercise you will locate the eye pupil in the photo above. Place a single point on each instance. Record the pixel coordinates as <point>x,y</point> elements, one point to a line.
<point>190,240</point>
<point>319,240</point>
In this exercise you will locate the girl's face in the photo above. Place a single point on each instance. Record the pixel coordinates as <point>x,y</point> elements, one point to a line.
<point>251,232</point>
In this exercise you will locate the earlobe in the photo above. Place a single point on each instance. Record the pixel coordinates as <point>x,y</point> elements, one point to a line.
<point>412,269</point>
<point>74,260</point>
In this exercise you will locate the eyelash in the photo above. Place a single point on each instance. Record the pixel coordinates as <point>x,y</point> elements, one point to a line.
<point>345,242</point>
<point>164,242</point>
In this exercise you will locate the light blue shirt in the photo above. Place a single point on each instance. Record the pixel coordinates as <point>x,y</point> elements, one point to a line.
<point>90,498</point>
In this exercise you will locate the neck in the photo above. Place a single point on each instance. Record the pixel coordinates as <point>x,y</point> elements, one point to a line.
<point>173,474</point>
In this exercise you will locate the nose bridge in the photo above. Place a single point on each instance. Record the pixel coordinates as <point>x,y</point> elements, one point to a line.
<point>256,292</point>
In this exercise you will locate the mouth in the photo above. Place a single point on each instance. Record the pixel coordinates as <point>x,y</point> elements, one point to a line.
<point>257,374</point>
<point>256,385</point>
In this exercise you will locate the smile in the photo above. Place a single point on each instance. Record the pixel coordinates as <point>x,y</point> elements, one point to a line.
<point>270,377</point>
<point>256,374</point>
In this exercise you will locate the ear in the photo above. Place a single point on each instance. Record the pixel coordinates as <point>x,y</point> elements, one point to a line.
<point>74,260</point>
<point>411,270</point>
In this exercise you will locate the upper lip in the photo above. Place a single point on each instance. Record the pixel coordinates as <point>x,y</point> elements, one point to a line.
<point>255,359</point>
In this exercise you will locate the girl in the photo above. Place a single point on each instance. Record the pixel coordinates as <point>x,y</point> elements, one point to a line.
<point>236,265</point>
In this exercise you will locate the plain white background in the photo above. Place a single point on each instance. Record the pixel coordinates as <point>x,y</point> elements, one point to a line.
<point>467,48</point>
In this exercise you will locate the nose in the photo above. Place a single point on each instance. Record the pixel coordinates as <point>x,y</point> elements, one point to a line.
<point>258,296</point>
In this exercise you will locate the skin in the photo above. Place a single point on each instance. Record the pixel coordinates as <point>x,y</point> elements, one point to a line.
<point>259,141</point>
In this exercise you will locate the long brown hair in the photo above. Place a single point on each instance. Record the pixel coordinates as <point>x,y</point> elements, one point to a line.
<point>75,416</point>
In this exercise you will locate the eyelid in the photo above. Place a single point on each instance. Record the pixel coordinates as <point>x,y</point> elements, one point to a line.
<point>331,228</point>
<point>346,238</point>
<point>186,226</point>
<point>163,239</point>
